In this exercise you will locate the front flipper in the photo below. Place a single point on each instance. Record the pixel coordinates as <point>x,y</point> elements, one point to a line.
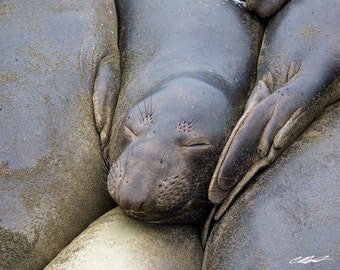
<point>105,95</point>
<point>99,62</point>
<point>281,106</point>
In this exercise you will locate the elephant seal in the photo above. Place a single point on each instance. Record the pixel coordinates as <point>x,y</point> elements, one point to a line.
<point>118,242</point>
<point>186,68</point>
<point>298,76</point>
<point>59,63</point>
<point>288,217</point>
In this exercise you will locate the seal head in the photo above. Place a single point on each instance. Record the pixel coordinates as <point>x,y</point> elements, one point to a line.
<point>173,139</point>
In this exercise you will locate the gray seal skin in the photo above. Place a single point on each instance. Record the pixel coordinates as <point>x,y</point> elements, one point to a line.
<point>118,242</point>
<point>298,76</point>
<point>59,66</point>
<point>288,217</point>
<point>186,69</point>
<point>265,8</point>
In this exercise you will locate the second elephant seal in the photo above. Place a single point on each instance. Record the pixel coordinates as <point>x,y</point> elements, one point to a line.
<point>187,67</point>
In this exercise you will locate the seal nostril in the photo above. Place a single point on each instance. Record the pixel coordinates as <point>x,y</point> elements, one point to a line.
<point>134,191</point>
<point>130,204</point>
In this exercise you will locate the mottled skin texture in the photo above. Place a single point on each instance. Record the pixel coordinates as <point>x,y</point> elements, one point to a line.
<point>298,76</point>
<point>184,83</point>
<point>59,65</point>
<point>265,8</point>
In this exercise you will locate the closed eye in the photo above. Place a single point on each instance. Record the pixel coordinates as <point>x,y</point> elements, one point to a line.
<point>198,145</point>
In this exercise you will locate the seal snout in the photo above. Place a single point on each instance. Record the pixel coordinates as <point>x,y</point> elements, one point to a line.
<point>133,191</point>
<point>132,203</point>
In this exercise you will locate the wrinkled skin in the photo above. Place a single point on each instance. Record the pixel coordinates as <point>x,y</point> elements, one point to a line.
<point>265,8</point>
<point>298,76</point>
<point>185,80</point>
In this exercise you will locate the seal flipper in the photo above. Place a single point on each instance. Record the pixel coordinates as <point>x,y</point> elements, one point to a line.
<point>99,61</point>
<point>294,85</point>
<point>269,125</point>
<point>105,96</point>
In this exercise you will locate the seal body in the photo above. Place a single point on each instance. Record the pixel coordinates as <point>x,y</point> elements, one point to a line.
<point>186,69</point>
<point>288,217</point>
<point>297,77</point>
<point>51,177</point>
<point>118,242</point>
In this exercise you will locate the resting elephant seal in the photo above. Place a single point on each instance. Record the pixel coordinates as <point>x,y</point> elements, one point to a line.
<point>186,70</point>
<point>288,217</point>
<point>59,62</point>
<point>298,76</point>
<point>118,242</point>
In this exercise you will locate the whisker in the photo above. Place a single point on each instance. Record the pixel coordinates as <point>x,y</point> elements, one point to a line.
<point>106,164</point>
<point>145,109</point>
<point>151,111</point>
<point>141,114</point>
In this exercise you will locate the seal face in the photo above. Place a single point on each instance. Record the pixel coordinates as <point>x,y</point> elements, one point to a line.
<point>169,160</point>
